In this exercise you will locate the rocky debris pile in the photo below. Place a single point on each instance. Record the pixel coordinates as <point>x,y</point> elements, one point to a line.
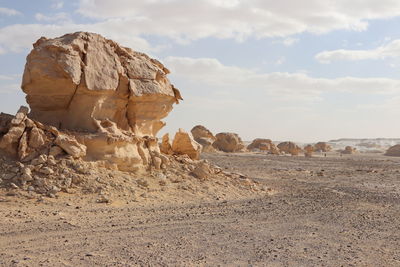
<point>184,144</point>
<point>265,145</point>
<point>393,151</point>
<point>349,150</point>
<point>51,175</point>
<point>322,147</point>
<point>109,97</point>
<point>308,151</point>
<point>289,148</point>
<point>204,137</point>
<point>228,142</point>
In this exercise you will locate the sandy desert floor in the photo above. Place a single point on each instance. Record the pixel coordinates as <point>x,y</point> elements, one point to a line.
<point>325,211</point>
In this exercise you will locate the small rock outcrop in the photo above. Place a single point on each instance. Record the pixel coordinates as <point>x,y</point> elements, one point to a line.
<point>349,150</point>
<point>228,142</point>
<point>204,137</point>
<point>265,145</point>
<point>289,148</point>
<point>184,144</point>
<point>393,151</point>
<point>165,146</point>
<point>308,151</point>
<point>260,144</point>
<point>322,147</point>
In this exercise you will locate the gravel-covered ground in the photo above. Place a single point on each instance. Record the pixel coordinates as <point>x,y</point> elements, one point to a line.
<point>324,211</point>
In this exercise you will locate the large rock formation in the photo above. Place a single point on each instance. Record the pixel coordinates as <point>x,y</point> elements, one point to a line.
<point>393,151</point>
<point>289,148</point>
<point>228,142</point>
<point>184,144</point>
<point>204,137</point>
<point>108,98</point>
<point>322,147</point>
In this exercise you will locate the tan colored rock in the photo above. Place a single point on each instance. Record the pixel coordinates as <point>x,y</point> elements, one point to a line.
<point>97,81</point>
<point>349,150</point>
<point>165,146</point>
<point>55,151</point>
<point>71,146</point>
<point>308,151</point>
<point>202,171</point>
<point>99,100</point>
<point>10,141</point>
<point>204,137</point>
<point>228,142</point>
<point>184,144</point>
<point>322,147</point>
<point>393,151</point>
<point>289,148</point>
<point>274,150</point>
<point>37,138</point>
<point>260,144</point>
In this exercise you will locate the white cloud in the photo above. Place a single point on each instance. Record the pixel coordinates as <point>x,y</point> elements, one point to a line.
<point>390,50</point>
<point>9,11</point>
<point>19,37</point>
<point>239,19</point>
<point>58,17</point>
<point>282,85</point>
<point>290,41</point>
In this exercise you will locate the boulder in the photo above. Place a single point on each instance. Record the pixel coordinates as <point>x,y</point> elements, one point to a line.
<point>349,150</point>
<point>228,142</point>
<point>260,144</point>
<point>204,137</point>
<point>71,146</point>
<point>289,148</point>
<point>322,147</point>
<point>165,146</point>
<point>393,151</point>
<point>308,151</point>
<point>184,144</point>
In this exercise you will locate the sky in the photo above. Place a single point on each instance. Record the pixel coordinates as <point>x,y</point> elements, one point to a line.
<point>304,71</point>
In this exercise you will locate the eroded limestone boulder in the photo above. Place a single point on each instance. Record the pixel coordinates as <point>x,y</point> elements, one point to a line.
<point>204,137</point>
<point>97,100</point>
<point>184,144</point>
<point>308,151</point>
<point>289,148</point>
<point>322,147</point>
<point>349,150</point>
<point>228,142</point>
<point>393,151</point>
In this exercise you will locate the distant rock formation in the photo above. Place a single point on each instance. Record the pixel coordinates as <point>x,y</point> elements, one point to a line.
<point>184,144</point>
<point>289,148</point>
<point>322,147</point>
<point>308,151</point>
<point>104,97</point>
<point>260,144</point>
<point>204,137</point>
<point>393,151</point>
<point>228,142</point>
<point>263,145</point>
<point>349,150</point>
